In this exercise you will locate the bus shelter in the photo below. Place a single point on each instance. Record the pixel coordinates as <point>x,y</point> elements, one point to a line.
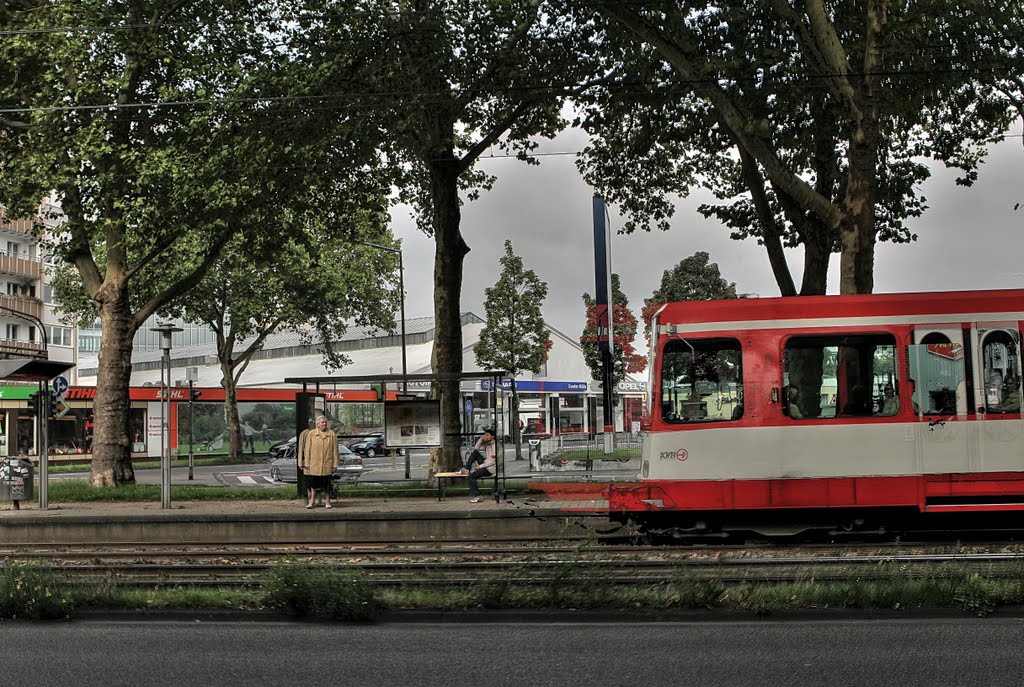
<point>411,419</point>
<point>40,370</point>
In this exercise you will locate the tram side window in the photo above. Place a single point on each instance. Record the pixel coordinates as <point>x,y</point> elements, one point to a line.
<point>840,376</point>
<point>701,381</point>
<point>1001,373</point>
<point>937,374</point>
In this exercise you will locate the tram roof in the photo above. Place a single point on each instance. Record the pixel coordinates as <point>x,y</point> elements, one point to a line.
<point>846,306</point>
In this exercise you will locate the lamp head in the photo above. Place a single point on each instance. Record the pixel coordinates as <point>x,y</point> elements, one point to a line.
<point>166,330</point>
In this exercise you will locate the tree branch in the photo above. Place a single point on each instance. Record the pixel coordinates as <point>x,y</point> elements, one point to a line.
<point>727,110</point>
<point>13,124</point>
<point>186,283</point>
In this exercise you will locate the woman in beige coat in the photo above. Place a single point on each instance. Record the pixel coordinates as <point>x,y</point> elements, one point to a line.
<point>318,457</point>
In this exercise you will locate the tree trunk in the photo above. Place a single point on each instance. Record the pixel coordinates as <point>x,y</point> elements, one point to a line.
<point>112,440</point>
<point>857,230</point>
<point>235,447</point>
<point>449,256</point>
<point>817,251</point>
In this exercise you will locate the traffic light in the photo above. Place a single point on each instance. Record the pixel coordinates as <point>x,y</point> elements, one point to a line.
<point>194,394</point>
<point>33,404</point>
<point>54,403</point>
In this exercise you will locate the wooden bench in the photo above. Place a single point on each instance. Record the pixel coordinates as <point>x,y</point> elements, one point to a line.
<point>442,481</point>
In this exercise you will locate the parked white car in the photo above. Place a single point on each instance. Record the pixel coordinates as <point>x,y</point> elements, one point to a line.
<point>284,469</point>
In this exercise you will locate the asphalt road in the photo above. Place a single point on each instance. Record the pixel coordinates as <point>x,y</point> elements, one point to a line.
<point>907,653</point>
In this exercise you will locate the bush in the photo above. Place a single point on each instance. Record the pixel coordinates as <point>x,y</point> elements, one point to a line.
<point>318,590</point>
<point>30,591</point>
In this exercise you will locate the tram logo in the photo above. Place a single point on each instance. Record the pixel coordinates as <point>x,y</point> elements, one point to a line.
<point>679,455</point>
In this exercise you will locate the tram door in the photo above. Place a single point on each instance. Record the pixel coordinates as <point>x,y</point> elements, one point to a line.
<point>938,374</point>
<point>997,369</point>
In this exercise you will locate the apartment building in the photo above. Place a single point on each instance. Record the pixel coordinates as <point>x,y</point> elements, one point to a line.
<point>34,344</point>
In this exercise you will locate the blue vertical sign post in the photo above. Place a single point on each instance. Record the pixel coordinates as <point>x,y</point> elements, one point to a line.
<point>605,303</point>
<point>468,406</point>
<point>60,387</point>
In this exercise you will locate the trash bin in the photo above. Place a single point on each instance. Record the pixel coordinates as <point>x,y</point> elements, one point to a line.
<point>15,480</point>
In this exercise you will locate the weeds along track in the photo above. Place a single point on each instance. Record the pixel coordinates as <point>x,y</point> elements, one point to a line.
<point>517,561</point>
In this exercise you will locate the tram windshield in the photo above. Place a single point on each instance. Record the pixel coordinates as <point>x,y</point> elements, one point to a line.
<point>701,380</point>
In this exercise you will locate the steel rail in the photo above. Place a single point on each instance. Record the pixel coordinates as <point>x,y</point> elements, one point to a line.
<point>561,571</point>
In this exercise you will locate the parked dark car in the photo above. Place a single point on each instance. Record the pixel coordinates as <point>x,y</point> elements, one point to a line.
<point>371,446</point>
<point>284,469</point>
<point>278,449</point>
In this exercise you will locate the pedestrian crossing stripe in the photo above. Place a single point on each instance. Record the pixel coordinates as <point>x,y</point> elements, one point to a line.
<point>249,478</point>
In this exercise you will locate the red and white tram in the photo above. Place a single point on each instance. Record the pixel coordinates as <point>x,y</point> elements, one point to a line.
<point>831,411</point>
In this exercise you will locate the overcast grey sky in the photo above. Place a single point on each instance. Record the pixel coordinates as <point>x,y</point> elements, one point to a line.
<point>968,239</point>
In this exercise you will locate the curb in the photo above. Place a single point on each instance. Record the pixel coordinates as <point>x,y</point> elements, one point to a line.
<point>533,616</point>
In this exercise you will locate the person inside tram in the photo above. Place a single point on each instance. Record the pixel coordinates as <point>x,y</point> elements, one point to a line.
<point>1010,393</point>
<point>857,401</point>
<point>890,404</point>
<point>994,390</point>
<point>793,403</point>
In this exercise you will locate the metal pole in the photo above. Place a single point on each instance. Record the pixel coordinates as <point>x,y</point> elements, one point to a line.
<point>165,452</point>
<point>191,418</point>
<point>44,445</point>
<point>401,288</point>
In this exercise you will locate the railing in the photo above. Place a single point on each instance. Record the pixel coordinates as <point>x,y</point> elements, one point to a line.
<point>27,305</point>
<point>15,226</point>
<point>586,452</point>
<point>21,264</point>
<point>10,348</point>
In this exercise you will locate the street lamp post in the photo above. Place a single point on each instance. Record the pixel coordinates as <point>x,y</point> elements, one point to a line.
<point>166,330</point>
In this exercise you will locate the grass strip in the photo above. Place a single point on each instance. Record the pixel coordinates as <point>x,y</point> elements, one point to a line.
<point>75,490</point>
<point>343,592</point>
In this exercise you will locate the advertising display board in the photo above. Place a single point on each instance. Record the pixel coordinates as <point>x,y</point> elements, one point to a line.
<point>412,424</point>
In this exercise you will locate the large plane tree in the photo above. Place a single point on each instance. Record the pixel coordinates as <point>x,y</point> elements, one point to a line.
<point>149,123</point>
<point>812,122</point>
<point>451,82</point>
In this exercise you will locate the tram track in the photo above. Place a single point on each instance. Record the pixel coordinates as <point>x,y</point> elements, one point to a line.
<point>536,562</point>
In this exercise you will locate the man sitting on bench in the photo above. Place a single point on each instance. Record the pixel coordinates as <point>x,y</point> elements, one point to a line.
<point>483,453</point>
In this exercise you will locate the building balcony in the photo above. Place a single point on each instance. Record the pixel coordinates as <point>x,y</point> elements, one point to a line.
<point>21,265</point>
<point>31,307</point>
<point>22,227</point>
<point>9,348</point>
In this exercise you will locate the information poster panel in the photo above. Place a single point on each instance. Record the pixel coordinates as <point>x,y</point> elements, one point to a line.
<point>412,424</point>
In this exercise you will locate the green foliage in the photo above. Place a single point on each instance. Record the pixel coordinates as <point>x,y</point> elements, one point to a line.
<point>30,591</point>
<point>160,139</point>
<point>332,592</point>
<point>624,357</point>
<point>741,98</point>
<point>695,278</point>
<point>978,595</point>
<point>514,335</point>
